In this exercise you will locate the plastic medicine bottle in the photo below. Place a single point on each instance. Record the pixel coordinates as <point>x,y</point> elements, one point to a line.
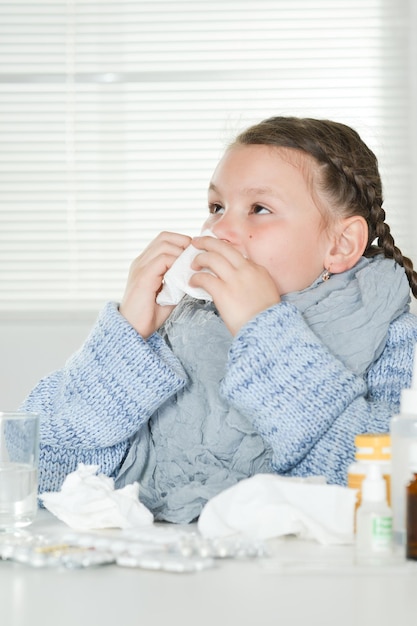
<point>370,448</point>
<point>374,521</point>
<point>411,508</point>
<point>403,430</point>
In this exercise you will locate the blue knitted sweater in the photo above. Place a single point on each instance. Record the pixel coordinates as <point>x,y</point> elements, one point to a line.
<point>303,402</point>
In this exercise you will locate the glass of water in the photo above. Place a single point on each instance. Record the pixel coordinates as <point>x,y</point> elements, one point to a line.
<point>19,453</point>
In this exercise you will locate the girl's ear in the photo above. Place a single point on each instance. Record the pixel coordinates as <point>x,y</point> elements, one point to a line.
<point>349,243</point>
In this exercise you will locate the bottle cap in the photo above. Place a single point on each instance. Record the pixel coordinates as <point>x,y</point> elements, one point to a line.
<point>373,447</point>
<point>374,487</point>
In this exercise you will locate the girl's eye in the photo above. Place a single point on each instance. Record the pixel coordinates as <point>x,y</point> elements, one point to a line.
<point>259,209</point>
<point>215,208</point>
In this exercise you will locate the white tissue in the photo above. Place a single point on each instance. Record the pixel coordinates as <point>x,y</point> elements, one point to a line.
<point>177,278</point>
<point>266,506</point>
<point>89,501</point>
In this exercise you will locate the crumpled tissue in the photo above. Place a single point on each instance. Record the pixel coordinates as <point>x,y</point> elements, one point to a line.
<point>267,505</point>
<point>177,278</point>
<point>89,501</point>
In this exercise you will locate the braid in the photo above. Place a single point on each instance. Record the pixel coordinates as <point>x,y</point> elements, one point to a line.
<point>386,246</point>
<point>349,175</point>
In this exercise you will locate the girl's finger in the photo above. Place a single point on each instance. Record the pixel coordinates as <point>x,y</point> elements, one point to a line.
<point>215,263</point>
<point>222,248</point>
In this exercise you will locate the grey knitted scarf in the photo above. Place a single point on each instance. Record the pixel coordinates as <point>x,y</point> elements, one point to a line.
<point>351,312</point>
<point>196,445</point>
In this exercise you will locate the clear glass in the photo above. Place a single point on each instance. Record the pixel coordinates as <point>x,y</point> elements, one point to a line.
<point>19,453</point>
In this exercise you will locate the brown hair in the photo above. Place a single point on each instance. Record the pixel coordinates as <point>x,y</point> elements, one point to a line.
<point>349,174</point>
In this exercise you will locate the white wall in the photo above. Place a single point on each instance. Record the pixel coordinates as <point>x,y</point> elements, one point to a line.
<point>31,349</point>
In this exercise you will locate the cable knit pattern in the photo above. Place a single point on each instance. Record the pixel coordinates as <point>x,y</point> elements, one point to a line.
<point>306,405</point>
<point>103,395</point>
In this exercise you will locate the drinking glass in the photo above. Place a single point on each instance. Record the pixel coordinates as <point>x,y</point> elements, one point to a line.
<point>19,453</point>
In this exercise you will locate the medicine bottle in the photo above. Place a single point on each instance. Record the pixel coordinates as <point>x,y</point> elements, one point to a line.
<point>373,520</point>
<point>411,508</point>
<point>403,428</point>
<point>370,448</point>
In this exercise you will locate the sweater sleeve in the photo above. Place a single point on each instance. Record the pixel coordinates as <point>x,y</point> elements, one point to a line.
<point>102,396</point>
<point>303,401</point>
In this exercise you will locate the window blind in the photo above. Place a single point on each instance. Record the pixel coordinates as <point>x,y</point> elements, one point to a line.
<point>114,114</point>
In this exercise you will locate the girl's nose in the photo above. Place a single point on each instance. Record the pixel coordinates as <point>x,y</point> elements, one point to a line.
<point>226,229</point>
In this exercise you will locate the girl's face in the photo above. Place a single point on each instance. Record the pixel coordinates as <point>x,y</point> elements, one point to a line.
<point>260,202</point>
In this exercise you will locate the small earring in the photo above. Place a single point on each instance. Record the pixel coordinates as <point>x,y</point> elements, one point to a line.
<point>325,276</point>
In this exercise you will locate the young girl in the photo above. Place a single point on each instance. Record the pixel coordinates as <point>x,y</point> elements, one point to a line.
<point>308,340</point>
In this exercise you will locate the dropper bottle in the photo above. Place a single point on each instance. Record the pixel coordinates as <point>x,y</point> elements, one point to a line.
<point>373,520</point>
<point>403,429</point>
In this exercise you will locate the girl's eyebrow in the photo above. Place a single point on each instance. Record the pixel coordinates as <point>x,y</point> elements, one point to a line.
<point>249,190</point>
<point>259,191</point>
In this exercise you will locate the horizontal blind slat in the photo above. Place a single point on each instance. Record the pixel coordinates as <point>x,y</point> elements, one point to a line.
<point>113,116</point>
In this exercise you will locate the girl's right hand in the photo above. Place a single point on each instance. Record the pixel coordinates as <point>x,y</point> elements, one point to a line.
<point>144,282</point>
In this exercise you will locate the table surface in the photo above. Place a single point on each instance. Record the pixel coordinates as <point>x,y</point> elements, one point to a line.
<point>300,582</point>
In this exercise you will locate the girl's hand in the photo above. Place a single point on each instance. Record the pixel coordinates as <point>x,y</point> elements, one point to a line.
<point>240,288</point>
<point>144,282</point>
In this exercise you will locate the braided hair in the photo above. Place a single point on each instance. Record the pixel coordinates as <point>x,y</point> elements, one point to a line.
<point>349,174</point>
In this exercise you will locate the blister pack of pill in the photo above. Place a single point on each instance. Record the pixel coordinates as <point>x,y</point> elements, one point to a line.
<point>51,551</point>
<point>154,548</point>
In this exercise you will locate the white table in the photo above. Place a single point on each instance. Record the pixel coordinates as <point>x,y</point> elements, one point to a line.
<point>301,583</point>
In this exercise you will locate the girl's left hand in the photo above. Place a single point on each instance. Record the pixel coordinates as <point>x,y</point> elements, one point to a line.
<point>239,287</point>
